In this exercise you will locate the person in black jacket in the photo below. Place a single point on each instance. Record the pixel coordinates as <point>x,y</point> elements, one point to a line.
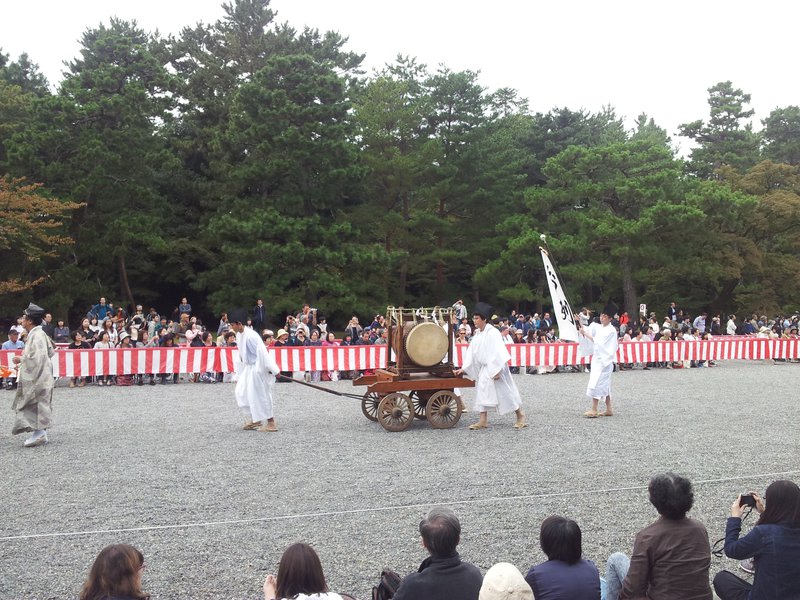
<point>443,575</point>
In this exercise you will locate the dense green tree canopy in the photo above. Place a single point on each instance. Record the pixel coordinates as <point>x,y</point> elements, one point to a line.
<point>246,158</point>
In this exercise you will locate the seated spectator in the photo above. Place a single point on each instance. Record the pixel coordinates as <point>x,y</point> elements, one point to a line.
<point>328,342</point>
<point>314,341</point>
<point>300,577</point>
<point>61,333</point>
<point>12,343</point>
<point>104,343</point>
<point>565,575</point>
<point>774,544</point>
<point>281,340</point>
<point>78,343</point>
<point>125,342</point>
<point>115,574</point>
<point>443,575</point>
<point>504,582</point>
<point>168,341</point>
<point>671,556</point>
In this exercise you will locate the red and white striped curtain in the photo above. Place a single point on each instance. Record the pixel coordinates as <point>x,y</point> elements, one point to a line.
<point>75,363</point>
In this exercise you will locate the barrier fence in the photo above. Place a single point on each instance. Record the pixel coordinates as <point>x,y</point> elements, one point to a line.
<point>118,361</point>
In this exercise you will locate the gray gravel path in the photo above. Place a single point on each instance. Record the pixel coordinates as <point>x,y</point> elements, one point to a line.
<point>212,507</point>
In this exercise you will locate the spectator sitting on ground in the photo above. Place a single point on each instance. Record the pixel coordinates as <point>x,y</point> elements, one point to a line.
<point>774,544</point>
<point>671,556</point>
<point>565,575</point>
<point>115,574</point>
<point>504,582</point>
<point>443,575</point>
<point>300,577</point>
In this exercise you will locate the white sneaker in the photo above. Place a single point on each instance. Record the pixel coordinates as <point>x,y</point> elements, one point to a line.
<point>39,438</point>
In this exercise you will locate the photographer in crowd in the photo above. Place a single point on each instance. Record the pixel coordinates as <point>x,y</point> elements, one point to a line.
<point>774,545</point>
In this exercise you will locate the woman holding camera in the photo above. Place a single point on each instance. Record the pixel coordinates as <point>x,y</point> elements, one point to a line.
<point>774,544</point>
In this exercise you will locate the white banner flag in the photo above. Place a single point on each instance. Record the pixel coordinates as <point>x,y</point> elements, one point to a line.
<point>563,311</point>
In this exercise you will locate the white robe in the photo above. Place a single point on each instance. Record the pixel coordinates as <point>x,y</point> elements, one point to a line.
<point>604,353</point>
<point>485,357</point>
<point>255,370</point>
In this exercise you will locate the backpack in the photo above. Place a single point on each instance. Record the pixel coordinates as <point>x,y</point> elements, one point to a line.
<point>387,587</point>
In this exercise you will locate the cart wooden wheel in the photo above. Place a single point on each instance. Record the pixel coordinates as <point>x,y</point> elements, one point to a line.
<point>444,409</point>
<point>395,412</point>
<point>369,405</point>
<point>420,398</point>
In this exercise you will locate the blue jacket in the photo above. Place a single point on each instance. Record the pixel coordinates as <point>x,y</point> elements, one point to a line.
<point>776,549</point>
<point>557,580</point>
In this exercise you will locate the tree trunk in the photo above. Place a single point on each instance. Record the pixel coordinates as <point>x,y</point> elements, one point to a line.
<point>126,288</point>
<point>723,299</point>
<point>440,246</point>
<point>628,288</point>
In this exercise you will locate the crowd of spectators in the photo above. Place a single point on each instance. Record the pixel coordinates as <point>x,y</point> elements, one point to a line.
<point>107,326</point>
<point>670,558</point>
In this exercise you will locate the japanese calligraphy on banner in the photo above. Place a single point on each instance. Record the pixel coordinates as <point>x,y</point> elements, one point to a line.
<point>563,311</point>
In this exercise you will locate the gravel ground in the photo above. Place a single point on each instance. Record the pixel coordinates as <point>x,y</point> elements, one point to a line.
<point>169,470</point>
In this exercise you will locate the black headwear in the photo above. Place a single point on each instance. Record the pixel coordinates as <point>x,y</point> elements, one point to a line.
<point>611,309</point>
<point>34,311</point>
<point>238,315</point>
<point>482,309</point>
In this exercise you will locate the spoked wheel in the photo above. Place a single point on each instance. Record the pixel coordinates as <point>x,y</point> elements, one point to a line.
<point>420,399</point>
<point>395,412</point>
<point>369,405</point>
<point>443,410</point>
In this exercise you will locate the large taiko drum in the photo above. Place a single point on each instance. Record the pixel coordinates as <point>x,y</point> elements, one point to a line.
<point>425,344</point>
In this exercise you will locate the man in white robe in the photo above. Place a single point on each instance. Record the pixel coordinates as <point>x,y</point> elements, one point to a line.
<point>256,369</point>
<point>34,396</point>
<point>485,361</point>
<point>601,341</point>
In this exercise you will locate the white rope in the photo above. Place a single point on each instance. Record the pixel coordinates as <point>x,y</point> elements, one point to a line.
<point>355,511</point>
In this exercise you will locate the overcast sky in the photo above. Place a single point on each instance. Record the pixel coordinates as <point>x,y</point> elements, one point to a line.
<point>637,56</point>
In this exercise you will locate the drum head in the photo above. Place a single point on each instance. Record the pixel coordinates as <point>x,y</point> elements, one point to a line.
<point>426,344</point>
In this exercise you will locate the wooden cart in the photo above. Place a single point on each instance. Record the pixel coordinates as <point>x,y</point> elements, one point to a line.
<point>418,382</point>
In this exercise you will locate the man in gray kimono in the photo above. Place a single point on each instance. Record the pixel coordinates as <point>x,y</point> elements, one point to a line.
<point>35,380</point>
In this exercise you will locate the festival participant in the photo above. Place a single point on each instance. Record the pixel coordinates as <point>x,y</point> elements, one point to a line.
<point>300,577</point>
<point>602,346</point>
<point>34,395</point>
<point>486,363</point>
<point>115,574</point>
<point>774,544</point>
<point>256,371</point>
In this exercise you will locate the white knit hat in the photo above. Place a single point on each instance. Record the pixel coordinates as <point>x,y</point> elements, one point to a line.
<point>504,582</point>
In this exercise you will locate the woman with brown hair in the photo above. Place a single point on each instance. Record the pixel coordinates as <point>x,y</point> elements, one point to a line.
<point>115,575</point>
<point>300,577</point>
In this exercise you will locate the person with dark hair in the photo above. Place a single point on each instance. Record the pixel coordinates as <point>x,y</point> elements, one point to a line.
<point>486,363</point>
<point>600,340</point>
<point>565,575</point>
<point>256,370</point>
<point>774,545</point>
<point>32,401</point>
<point>300,577</point>
<point>443,575</point>
<point>671,556</point>
<point>116,574</point>
<point>77,344</point>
